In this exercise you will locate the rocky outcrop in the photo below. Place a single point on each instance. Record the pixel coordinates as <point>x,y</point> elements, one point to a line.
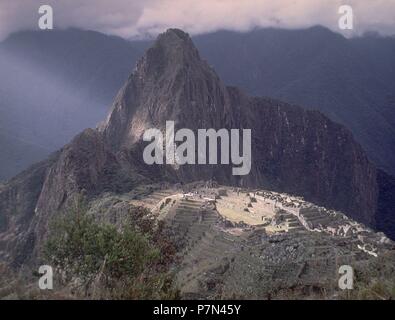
<point>303,153</point>
<point>293,150</point>
<point>18,200</point>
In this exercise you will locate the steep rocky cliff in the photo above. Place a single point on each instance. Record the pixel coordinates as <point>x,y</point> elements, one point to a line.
<point>293,150</point>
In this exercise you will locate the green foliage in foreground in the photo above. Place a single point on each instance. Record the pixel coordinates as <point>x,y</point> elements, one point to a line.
<point>109,263</point>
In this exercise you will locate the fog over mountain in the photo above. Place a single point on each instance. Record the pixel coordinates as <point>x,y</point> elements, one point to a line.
<point>53,85</point>
<point>128,18</point>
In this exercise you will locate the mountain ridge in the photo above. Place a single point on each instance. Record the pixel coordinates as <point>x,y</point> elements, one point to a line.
<point>343,78</point>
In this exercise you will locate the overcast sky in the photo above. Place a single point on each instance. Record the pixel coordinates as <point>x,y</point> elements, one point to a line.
<point>130,18</point>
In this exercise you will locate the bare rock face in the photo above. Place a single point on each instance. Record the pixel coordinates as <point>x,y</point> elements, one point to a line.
<point>170,82</point>
<point>86,166</point>
<point>18,199</point>
<point>302,152</point>
<point>293,150</point>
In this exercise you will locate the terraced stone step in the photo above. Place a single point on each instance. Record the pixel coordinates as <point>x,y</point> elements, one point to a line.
<point>186,215</point>
<point>312,213</point>
<point>210,216</point>
<point>191,205</point>
<point>182,209</point>
<point>191,200</point>
<point>157,195</point>
<point>197,230</point>
<point>182,224</point>
<point>300,231</point>
<point>314,217</point>
<point>182,217</point>
<point>323,221</point>
<point>294,223</point>
<point>209,245</point>
<point>187,209</point>
<point>286,215</point>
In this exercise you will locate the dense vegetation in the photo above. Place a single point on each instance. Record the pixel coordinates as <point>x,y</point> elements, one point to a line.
<point>97,260</point>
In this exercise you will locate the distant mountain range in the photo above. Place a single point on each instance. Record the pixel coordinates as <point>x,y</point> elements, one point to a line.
<point>55,84</point>
<point>352,81</point>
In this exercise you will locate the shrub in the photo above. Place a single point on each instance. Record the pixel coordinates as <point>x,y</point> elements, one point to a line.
<point>125,264</point>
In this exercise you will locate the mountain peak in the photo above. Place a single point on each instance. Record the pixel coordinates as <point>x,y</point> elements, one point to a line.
<point>174,34</point>
<point>172,48</point>
<point>171,82</point>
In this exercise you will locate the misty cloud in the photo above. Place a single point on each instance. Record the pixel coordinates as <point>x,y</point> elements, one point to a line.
<point>131,18</point>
